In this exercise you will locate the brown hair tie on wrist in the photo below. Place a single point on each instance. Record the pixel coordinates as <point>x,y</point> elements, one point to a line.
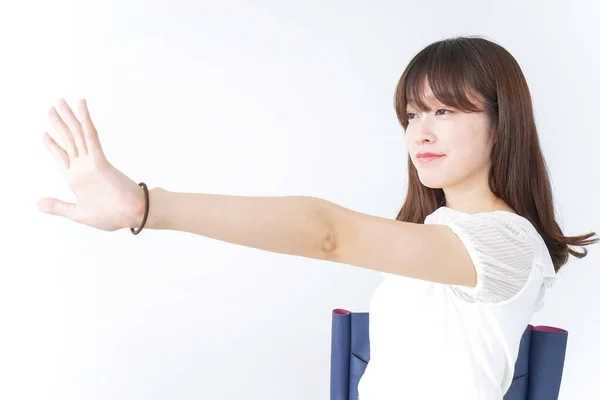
<point>147,197</point>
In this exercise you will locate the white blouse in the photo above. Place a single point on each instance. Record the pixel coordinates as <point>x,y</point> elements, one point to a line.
<point>431,340</point>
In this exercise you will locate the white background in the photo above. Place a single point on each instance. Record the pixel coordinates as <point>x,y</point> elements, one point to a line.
<point>248,98</point>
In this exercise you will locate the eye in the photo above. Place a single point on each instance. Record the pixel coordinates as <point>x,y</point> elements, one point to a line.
<point>410,116</point>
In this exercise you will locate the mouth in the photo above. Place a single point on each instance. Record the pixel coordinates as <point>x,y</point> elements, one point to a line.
<point>429,157</point>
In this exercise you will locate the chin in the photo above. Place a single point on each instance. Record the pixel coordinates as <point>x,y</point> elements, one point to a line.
<point>432,182</point>
<point>432,186</point>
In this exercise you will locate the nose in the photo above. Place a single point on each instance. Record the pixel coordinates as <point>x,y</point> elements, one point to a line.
<point>423,131</point>
<point>425,137</point>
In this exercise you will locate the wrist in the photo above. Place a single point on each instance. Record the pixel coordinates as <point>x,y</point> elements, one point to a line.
<point>155,213</point>
<point>154,217</point>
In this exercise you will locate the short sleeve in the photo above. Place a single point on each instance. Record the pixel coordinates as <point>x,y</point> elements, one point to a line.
<point>502,252</point>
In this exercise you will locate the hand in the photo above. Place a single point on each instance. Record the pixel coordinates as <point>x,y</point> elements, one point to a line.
<point>106,198</point>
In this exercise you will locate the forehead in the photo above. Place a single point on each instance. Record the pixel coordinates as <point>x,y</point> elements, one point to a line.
<point>429,100</point>
<point>426,94</point>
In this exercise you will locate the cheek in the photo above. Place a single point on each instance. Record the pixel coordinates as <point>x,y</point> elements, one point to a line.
<point>470,153</point>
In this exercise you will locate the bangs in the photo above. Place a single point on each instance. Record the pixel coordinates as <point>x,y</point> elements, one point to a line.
<point>451,77</point>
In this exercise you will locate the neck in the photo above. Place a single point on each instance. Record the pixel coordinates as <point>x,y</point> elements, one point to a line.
<point>472,201</point>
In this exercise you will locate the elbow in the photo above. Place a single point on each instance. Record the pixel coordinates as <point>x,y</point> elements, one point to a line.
<point>328,248</point>
<point>328,242</point>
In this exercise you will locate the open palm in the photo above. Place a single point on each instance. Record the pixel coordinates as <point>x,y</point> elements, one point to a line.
<point>106,198</point>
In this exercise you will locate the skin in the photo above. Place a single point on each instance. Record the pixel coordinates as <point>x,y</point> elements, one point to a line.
<point>295,225</point>
<point>465,139</point>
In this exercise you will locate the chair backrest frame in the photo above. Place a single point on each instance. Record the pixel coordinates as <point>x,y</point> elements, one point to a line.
<point>538,369</point>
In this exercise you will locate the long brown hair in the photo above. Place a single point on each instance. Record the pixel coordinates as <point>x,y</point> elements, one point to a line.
<point>464,68</point>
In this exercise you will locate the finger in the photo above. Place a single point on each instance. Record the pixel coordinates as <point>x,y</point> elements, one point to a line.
<point>59,153</point>
<point>89,130</point>
<point>53,206</point>
<point>59,125</point>
<point>74,126</point>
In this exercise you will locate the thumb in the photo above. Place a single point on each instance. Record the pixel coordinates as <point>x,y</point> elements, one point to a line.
<point>56,207</point>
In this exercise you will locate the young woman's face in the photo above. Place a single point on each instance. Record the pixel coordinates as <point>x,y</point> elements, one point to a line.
<point>462,138</point>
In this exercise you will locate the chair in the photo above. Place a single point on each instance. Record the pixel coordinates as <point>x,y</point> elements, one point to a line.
<point>538,369</point>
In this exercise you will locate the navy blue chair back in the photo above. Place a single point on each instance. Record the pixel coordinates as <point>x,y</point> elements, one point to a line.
<point>538,369</point>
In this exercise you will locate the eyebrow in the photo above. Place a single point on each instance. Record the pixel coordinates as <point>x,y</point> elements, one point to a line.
<point>431,101</point>
<point>414,105</point>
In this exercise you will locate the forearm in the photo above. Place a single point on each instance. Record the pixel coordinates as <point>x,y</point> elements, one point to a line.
<point>296,225</point>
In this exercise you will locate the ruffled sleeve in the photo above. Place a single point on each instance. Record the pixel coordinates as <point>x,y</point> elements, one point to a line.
<point>502,251</point>
<point>544,263</point>
<point>546,267</point>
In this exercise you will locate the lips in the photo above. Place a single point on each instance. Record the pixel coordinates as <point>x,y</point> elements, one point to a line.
<point>426,157</point>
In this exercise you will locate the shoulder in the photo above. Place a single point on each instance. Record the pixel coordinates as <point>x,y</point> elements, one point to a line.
<point>501,223</point>
<point>503,248</point>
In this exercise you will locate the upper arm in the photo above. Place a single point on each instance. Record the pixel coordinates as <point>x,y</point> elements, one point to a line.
<point>477,255</point>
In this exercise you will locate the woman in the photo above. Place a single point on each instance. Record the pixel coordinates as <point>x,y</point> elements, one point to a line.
<point>466,261</point>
